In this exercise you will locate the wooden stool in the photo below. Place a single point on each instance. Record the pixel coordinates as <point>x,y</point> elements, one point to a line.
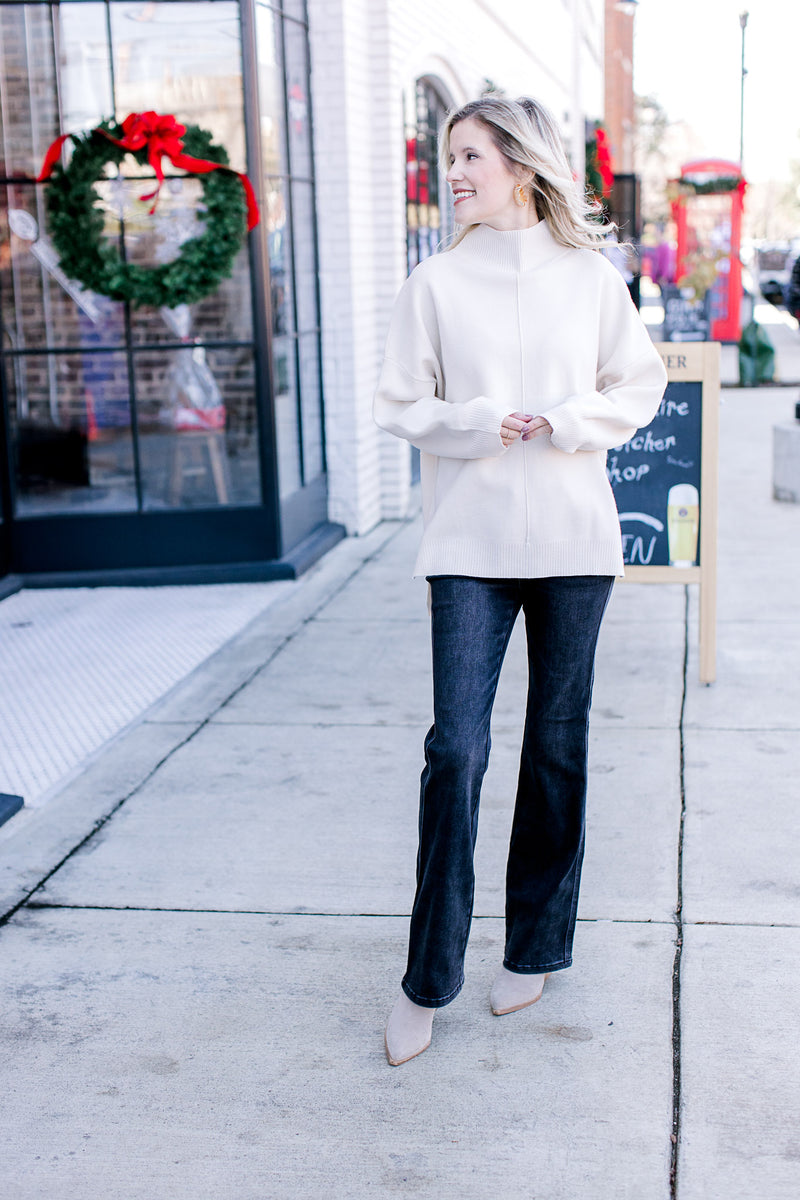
<point>198,452</point>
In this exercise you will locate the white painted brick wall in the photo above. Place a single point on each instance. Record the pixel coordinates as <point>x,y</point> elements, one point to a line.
<point>365,56</point>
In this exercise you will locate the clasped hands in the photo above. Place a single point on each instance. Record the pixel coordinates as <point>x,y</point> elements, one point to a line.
<point>522,425</point>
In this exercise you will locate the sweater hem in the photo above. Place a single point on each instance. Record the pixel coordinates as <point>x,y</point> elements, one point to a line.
<point>518,560</point>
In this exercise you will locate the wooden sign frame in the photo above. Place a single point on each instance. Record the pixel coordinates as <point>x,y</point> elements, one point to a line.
<point>697,362</point>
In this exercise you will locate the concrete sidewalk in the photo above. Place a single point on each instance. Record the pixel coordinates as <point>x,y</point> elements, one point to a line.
<point>208,927</point>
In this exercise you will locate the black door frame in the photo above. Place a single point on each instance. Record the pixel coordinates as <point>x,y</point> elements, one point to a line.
<point>272,539</point>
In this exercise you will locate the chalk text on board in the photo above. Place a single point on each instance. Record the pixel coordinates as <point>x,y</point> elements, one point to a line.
<point>617,474</point>
<point>633,549</point>
<point>670,408</point>
<point>648,443</point>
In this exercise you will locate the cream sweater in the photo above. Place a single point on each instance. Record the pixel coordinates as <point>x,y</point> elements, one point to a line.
<point>511,321</point>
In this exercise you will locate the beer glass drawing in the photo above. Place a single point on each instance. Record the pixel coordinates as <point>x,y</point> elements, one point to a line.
<point>683,523</point>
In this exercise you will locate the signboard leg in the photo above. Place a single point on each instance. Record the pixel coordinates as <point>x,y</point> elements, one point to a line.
<point>708,532</point>
<point>708,626</point>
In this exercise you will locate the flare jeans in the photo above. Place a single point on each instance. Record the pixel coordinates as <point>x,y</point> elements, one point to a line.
<point>471,623</point>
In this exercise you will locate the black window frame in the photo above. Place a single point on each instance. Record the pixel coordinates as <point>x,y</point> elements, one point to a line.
<point>263,533</point>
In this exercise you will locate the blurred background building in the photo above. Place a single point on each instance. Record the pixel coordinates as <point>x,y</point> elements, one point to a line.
<point>234,438</point>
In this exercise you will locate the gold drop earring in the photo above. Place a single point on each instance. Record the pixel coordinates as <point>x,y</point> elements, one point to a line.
<point>519,195</point>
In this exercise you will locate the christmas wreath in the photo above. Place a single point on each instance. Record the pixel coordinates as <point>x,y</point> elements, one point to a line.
<point>76,221</point>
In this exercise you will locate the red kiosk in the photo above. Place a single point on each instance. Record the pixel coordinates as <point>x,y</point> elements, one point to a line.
<point>707,205</point>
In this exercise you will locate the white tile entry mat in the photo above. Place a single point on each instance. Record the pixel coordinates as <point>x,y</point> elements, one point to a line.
<point>79,664</point>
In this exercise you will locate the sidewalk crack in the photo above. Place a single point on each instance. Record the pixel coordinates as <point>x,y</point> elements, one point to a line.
<point>678,920</point>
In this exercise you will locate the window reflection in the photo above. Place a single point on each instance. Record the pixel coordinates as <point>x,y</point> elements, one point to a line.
<point>295,8</point>
<point>310,383</point>
<point>305,257</point>
<point>70,417</point>
<point>29,117</point>
<point>287,429</point>
<point>39,307</point>
<point>197,427</point>
<point>298,103</point>
<point>280,256</point>
<point>84,65</point>
<point>429,209</point>
<point>429,214</point>
<point>270,87</point>
<point>157,238</point>
<point>184,59</point>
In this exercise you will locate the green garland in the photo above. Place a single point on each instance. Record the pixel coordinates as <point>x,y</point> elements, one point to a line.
<point>76,226</point>
<point>711,187</point>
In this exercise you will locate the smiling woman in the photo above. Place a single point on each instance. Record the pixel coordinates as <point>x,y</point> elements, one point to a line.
<point>514,361</point>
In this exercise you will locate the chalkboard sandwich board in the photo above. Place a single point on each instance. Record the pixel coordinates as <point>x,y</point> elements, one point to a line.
<point>686,319</point>
<point>665,485</point>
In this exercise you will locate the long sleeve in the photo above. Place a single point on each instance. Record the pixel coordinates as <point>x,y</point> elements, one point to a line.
<point>630,380</point>
<point>409,400</point>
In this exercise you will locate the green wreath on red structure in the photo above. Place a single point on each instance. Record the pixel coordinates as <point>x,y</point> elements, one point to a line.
<point>76,221</point>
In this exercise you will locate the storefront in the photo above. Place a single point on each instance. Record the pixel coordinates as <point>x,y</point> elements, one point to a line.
<point>160,442</point>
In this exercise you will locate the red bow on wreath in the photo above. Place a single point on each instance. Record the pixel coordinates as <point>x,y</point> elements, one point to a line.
<point>161,135</point>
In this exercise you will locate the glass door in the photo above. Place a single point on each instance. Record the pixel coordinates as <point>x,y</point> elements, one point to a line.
<point>140,437</point>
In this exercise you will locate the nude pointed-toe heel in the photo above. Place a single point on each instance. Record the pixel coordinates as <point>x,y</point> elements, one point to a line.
<point>509,993</point>
<point>408,1031</point>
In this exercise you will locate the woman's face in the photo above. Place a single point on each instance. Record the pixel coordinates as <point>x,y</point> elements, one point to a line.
<point>482,181</point>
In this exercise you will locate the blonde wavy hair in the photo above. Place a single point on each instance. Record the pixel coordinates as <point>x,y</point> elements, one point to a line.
<point>526,134</point>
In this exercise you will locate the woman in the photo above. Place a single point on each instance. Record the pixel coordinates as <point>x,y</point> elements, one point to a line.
<point>514,361</point>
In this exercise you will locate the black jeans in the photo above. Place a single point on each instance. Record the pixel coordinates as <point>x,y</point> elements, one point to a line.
<point>471,622</point>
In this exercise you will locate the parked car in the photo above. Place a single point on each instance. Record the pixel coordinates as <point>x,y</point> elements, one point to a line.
<point>773,264</point>
<point>792,294</point>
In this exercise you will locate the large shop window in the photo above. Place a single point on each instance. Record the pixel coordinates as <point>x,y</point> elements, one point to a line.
<point>283,71</point>
<point>117,410</point>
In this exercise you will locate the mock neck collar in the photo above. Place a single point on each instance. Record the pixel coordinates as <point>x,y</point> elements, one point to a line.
<point>511,249</point>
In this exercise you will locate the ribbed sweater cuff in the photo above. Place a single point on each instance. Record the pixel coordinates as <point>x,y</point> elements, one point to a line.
<point>568,431</point>
<point>486,414</point>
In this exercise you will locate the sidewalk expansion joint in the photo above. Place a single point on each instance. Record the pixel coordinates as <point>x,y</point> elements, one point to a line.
<point>678,921</point>
<point>44,905</point>
<point>744,728</point>
<point>275,724</point>
<point>746,924</point>
<point>101,822</point>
